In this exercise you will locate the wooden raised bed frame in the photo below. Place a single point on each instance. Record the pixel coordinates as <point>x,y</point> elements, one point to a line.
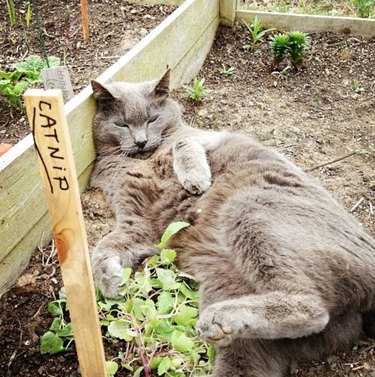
<point>24,221</point>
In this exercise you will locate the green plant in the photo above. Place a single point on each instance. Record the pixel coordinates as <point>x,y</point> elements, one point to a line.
<point>298,43</point>
<point>11,13</point>
<point>28,15</point>
<point>292,46</point>
<point>226,71</point>
<point>256,32</point>
<point>25,74</point>
<point>155,316</point>
<point>196,91</point>
<point>279,48</point>
<point>357,87</point>
<point>363,7</point>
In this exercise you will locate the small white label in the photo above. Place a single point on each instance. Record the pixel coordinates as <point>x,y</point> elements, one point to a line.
<point>58,78</point>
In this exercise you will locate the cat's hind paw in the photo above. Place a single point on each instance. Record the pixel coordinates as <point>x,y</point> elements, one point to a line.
<point>213,330</point>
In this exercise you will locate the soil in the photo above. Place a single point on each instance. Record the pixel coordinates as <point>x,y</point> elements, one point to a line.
<point>321,113</point>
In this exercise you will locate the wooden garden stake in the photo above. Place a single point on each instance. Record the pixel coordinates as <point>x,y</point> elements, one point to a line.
<point>45,111</point>
<point>85,20</point>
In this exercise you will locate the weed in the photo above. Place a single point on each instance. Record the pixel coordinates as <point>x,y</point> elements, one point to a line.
<point>279,48</point>
<point>28,15</point>
<point>196,91</point>
<point>156,318</point>
<point>363,7</point>
<point>256,32</point>
<point>226,71</point>
<point>26,73</point>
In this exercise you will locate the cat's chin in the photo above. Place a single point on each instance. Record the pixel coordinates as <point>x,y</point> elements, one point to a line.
<point>142,154</point>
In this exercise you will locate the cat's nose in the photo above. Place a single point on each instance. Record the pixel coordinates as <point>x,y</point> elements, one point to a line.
<point>141,143</point>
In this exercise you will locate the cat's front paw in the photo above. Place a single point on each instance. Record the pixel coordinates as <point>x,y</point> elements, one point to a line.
<point>108,276</point>
<point>196,183</point>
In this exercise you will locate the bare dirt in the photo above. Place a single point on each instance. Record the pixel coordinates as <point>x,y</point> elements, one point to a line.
<point>313,116</point>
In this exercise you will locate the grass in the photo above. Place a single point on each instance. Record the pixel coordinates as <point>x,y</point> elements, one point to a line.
<point>315,7</point>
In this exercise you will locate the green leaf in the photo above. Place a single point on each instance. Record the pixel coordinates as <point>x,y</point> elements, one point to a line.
<point>180,342</point>
<point>171,230</point>
<point>143,282</point>
<point>51,344</point>
<point>55,308</point>
<point>126,275</point>
<point>120,329</point>
<point>188,292</point>
<point>167,256</point>
<point>165,303</point>
<point>186,316</point>
<point>138,372</point>
<point>167,279</point>
<point>164,329</point>
<point>164,366</point>
<point>111,367</point>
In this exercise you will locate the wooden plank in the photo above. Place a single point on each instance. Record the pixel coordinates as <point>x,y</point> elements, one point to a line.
<point>227,12</point>
<point>40,233</point>
<point>310,23</point>
<point>45,111</point>
<point>21,200</point>
<point>85,21</point>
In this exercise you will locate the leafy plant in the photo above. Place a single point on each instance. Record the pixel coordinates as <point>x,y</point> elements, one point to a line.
<point>28,15</point>
<point>155,318</point>
<point>256,32</point>
<point>292,46</point>
<point>363,7</point>
<point>196,91</point>
<point>226,71</point>
<point>24,75</point>
<point>11,13</point>
<point>279,48</point>
<point>298,43</point>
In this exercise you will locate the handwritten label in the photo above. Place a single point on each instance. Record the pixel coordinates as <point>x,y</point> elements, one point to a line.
<point>58,78</point>
<point>49,149</point>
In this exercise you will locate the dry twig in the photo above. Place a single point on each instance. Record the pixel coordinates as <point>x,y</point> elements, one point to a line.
<point>332,161</point>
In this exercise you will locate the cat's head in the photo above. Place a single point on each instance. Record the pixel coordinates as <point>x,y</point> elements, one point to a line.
<point>133,118</point>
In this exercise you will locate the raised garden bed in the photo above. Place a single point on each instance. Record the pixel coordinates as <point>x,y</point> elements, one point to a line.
<point>313,116</point>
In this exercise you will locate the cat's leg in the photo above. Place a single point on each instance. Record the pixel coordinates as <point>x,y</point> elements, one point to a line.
<point>273,315</point>
<point>190,161</point>
<point>112,254</point>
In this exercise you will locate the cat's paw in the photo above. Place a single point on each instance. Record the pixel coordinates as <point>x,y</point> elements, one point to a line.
<point>108,276</point>
<point>215,327</point>
<point>196,183</point>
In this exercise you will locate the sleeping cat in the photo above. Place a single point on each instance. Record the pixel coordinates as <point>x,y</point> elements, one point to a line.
<point>285,274</point>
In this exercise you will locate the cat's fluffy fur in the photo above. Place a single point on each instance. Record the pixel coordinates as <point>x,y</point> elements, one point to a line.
<point>284,272</point>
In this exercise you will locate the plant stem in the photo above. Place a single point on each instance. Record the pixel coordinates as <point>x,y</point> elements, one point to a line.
<point>142,355</point>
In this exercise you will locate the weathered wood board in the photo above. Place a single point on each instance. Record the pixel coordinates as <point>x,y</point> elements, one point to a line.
<point>192,28</point>
<point>310,23</point>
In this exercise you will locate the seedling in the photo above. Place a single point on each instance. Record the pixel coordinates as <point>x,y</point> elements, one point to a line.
<point>256,32</point>
<point>291,45</point>
<point>226,71</point>
<point>298,43</point>
<point>11,13</point>
<point>155,320</point>
<point>279,48</point>
<point>196,91</point>
<point>357,87</point>
<point>363,7</point>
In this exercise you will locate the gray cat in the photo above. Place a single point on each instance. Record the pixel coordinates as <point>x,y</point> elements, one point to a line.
<point>285,274</point>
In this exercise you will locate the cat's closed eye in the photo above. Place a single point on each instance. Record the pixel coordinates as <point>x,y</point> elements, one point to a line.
<point>152,119</point>
<point>122,125</point>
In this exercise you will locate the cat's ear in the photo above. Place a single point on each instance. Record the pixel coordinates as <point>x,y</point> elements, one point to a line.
<point>100,92</point>
<point>161,89</point>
